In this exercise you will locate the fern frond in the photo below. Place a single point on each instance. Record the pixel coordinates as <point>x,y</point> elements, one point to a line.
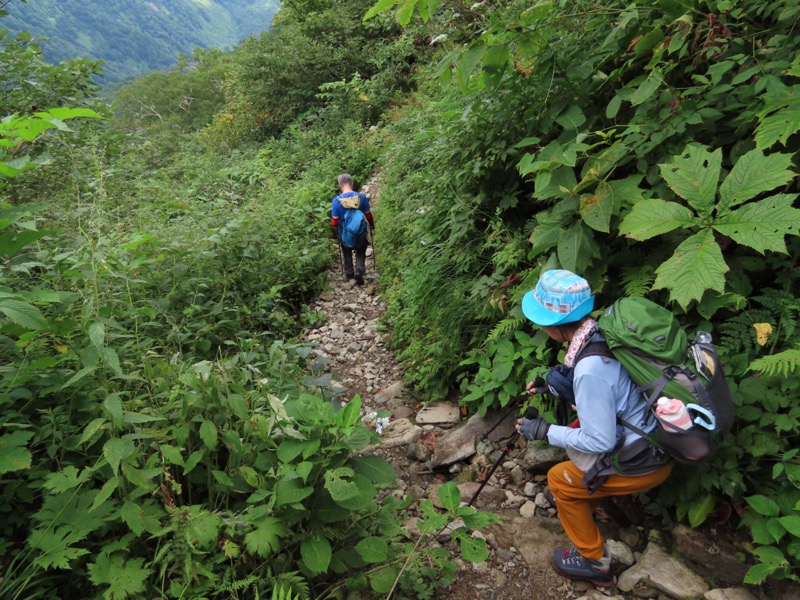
<point>638,281</point>
<point>783,363</point>
<point>240,584</point>
<point>504,327</point>
<point>292,584</point>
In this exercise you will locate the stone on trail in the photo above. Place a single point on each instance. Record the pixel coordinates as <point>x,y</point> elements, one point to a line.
<point>441,413</point>
<point>718,557</point>
<point>729,594</point>
<point>621,552</point>
<point>393,390</point>
<point>459,443</point>
<point>539,459</point>
<point>401,432</point>
<point>527,510</point>
<point>658,570</point>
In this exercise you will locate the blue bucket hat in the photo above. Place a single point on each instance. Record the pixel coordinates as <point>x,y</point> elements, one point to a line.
<point>559,297</point>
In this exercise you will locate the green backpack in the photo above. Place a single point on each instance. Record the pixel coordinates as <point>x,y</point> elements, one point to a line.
<point>653,348</point>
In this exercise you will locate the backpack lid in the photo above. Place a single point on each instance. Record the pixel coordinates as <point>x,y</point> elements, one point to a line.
<point>644,326</point>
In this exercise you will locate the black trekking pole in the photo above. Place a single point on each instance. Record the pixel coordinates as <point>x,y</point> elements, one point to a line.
<point>530,413</point>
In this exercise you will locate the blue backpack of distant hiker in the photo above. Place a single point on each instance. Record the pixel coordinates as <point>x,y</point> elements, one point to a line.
<point>353,228</point>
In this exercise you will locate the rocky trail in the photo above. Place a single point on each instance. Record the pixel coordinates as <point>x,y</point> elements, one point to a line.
<point>432,444</point>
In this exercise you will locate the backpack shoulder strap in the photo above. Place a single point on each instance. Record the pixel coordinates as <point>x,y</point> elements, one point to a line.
<point>594,349</point>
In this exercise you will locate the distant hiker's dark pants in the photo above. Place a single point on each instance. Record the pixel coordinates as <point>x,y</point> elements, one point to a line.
<point>361,259</point>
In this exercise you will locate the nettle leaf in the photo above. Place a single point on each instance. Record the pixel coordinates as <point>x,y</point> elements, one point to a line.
<point>373,549</point>
<point>125,577</point>
<point>780,117</point>
<point>316,553</point>
<point>763,505</point>
<point>762,225</point>
<point>340,489</point>
<point>597,208</point>
<point>55,544</point>
<point>653,217</point>
<point>375,468</point>
<point>266,537</point>
<point>14,456</point>
<point>23,314</point>
<point>694,176</point>
<point>289,491</point>
<point>577,247</point>
<point>792,524</point>
<point>449,496</point>
<point>754,174</point>
<point>379,7</point>
<point>66,479</point>
<point>473,549</point>
<point>208,433</point>
<point>700,509</point>
<point>382,581</point>
<point>696,266</point>
<point>469,61</point>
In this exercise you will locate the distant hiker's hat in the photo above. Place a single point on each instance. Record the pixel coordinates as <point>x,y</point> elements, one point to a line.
<point>559,297</point>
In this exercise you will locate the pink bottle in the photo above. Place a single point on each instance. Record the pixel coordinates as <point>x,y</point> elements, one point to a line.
<point>673,412</point>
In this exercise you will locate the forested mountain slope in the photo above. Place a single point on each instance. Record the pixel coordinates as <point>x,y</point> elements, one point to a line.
<point>136,36</point>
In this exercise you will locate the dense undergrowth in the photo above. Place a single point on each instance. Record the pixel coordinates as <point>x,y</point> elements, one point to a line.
<point>162,436</point>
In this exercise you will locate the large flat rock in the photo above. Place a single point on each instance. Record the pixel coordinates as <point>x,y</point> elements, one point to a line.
<point>658,570</point>
<point>440,413</point>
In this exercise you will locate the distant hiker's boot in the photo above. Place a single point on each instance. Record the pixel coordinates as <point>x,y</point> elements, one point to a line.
<point>359,277</point>
<point>571,564</point>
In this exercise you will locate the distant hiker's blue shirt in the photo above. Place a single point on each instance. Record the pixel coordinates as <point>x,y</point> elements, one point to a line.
<point>337,210</point>
<point>603,391</point>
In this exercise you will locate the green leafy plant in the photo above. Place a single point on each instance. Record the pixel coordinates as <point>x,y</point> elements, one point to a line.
<point>698,264</point>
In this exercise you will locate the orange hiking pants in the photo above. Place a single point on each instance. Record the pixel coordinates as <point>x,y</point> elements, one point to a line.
<point>576,507</point>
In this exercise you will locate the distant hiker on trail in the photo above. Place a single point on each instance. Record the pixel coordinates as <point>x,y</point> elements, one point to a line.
<point>603,392</point>
<point>350,213</point>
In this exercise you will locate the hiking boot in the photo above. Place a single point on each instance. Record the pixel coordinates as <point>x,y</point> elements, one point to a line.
<point>571,564</point>
<point>359,277</point>
<point>548,495</point>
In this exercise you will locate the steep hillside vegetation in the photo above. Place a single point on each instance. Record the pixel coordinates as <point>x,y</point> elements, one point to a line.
<point>136,36</point>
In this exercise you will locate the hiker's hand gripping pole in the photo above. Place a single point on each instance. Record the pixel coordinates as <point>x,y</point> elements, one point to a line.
<point>530,413</point>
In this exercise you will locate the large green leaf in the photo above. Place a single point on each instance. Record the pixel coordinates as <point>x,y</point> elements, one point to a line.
<point>763,505</point>
<point>653,217</point>
<point>373,549</point>
<point>379,7</point>
<point>597,208</point>
<point>374,468</point>
<point>473,549</point>
<point>125,577</point>
<point>754,174</point>
<point>14,456</point>
<point>266,537</point>
<point>471,58</point>
<point>694,176</point>
<point>762,225</point>
<point>700,509</point>
<point>449,496</point>
<point>577,247</point>
<point>341,489</point>
<point>382,580</point>
<point>316,553</point>
<point>780,117</point>
<point>696,266</point>
<point>23,314</point>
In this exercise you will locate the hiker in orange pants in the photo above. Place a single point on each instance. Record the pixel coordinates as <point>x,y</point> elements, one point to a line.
<point>605,458</point>
<point>576,506</point>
